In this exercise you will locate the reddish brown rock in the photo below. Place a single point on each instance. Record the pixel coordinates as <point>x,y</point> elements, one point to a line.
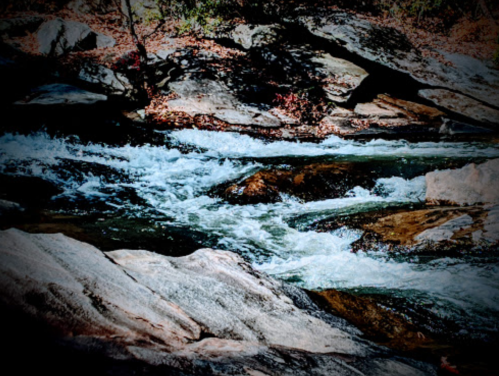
<point>310,182</point>
<point>376,322</point>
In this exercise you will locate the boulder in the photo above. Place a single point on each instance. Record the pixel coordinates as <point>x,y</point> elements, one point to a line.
<point>469,185</point>
<point>375,321</point>
<point>207,97</point>
<point>109,81</point>
<point>442,226</point>
<point>390,48</point>
<point>342,76</point>
<point>61,94</point>
<point>311,182</point>
<point>207,313</point>
<point>462,105</point>
<point>57,37</point>
<point>253,36</point>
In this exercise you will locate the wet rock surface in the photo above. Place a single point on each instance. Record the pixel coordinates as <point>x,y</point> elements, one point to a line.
<point>311,182</point>
<point>162,311</point>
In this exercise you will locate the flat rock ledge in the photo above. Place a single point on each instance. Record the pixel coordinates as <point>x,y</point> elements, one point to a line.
<point>206,313</point>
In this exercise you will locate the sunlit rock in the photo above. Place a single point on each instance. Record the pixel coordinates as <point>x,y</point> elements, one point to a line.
<point>469,185</point>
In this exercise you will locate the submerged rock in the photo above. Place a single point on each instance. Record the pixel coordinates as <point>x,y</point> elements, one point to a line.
<point>207,313</point>
<point>462,105</point>
<point>469,185</point>
<point>310,182</point>
<point>61,94</point>
<point>213,98</point>
<point>57,37</point>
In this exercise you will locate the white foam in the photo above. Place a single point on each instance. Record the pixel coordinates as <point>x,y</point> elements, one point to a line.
<point>234,145</point>
<point>176,184</point>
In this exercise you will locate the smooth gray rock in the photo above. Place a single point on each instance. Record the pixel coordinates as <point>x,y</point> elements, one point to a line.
<point>215,99</point>
<point>57,37</point>
<point>462,105</point>
<point>392,49</point>
<point>61,94</point>
<point>251,36</point>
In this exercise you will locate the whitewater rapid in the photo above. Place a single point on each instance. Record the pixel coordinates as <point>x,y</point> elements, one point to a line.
<point>176,185</point>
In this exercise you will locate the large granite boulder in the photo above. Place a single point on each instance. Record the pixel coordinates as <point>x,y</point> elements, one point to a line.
<point>207,313</point>
<point>57,37</point>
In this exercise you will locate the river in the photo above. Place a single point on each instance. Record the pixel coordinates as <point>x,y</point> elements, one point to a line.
<point>172,185</point>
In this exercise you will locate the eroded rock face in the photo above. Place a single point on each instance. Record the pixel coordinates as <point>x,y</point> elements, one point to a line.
<point>462,105</point>
<point>61,94</point>
<point>207,313</point>
<point>392,49</point>
<point>213,98</point>
<point>469,185</point>
<point>57,37</point>
<point>311,182</point>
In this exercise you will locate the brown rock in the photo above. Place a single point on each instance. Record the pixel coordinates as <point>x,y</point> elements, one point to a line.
<point>310,182</point>
<point>375,321</point>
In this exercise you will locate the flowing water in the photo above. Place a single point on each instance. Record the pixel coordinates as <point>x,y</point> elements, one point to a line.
<point>173,184</point>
